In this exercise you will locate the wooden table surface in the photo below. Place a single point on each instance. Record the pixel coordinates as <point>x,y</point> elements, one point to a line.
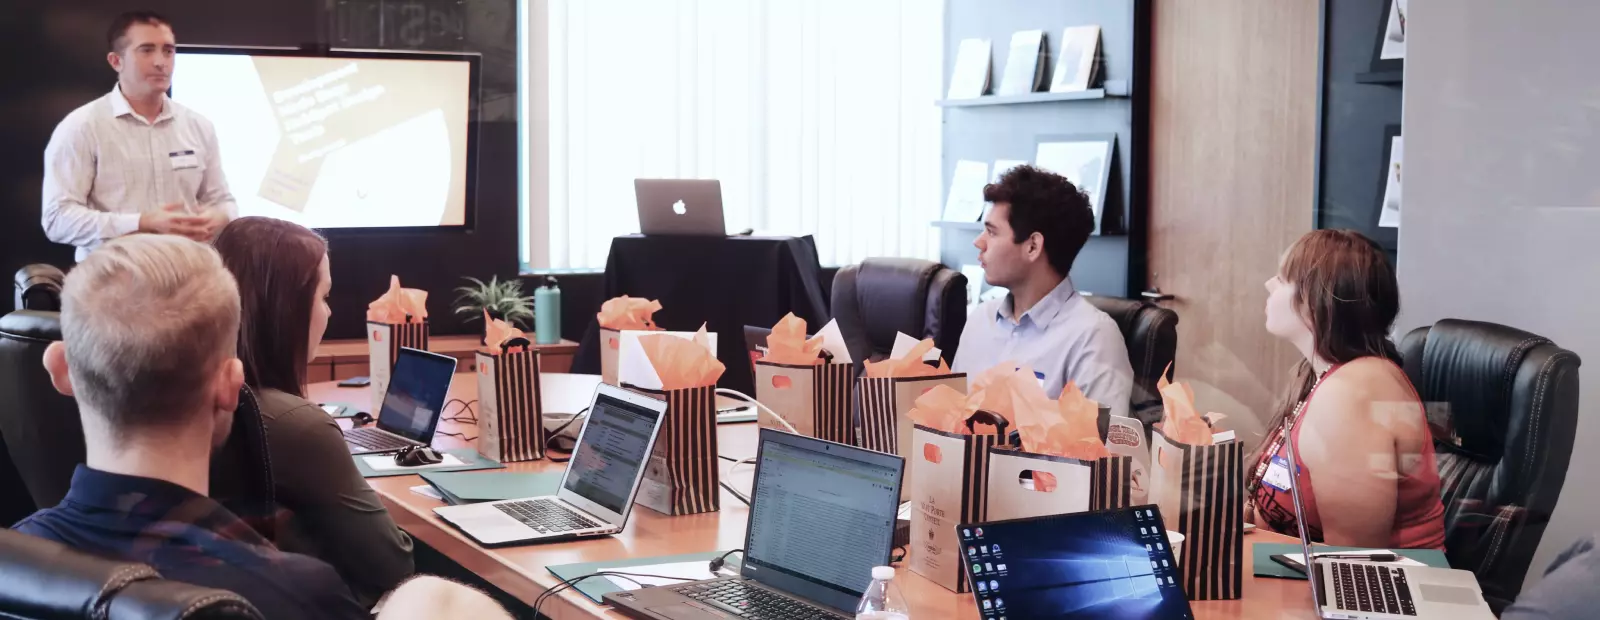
<point>520,571</point>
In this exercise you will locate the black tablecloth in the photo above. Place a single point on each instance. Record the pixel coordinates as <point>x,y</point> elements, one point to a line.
<point>726,283</point>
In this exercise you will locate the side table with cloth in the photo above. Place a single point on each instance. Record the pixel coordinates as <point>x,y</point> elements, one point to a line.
<point>725,282</point>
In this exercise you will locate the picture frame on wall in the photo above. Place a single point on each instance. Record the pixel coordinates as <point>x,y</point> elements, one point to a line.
<point>1389,50</point>
<point>1086,161</point>
<point>1389,183</point>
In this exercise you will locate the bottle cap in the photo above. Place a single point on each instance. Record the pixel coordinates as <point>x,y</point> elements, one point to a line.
<point>550,281</point>
<point>883,573</point>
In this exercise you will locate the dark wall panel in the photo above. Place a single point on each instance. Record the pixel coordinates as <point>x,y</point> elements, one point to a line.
<point>1353,149</point>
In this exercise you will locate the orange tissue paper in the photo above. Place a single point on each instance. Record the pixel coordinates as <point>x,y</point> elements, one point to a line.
<point>946,409</point>
<point>399,305</point>
<point>1012,392</point>
<point>496,333</point>
<point>1074,432</point>
<point>682,364</point>
<point>1179,420</point>
<point>909,365</point>
<point>628,313</point>
<point>788,344</point>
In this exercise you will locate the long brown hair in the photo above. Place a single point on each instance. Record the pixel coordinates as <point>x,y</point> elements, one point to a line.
<point>275,263</point>
<point>1346,285</point>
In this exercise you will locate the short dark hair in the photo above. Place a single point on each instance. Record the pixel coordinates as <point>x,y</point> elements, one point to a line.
<point>275,263</point>
<point>1046,203</point>
<point>117,34</point>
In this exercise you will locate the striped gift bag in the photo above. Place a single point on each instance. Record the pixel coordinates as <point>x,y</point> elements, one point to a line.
<point>510,419</point>
<point>814,398</point>
<point>383,347</point>
<point>884,403</point>
<point>682,476</point>
<point>1200,490</point>
<point>949,486</point>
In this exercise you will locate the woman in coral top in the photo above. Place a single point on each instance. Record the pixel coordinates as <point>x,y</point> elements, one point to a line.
<point>1365,455</point>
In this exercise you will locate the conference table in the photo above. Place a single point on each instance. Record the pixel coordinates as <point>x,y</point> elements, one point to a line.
<point>520,571</point>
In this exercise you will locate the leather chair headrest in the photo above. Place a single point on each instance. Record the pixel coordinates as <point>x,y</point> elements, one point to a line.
<point>1123,311</point>
<point>31,325</point>
<point>47,579</point>
<point>38,287</point>
<point>893,293</point>
<point>1473,367</point>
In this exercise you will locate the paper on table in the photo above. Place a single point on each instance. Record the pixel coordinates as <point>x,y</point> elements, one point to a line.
<point>1400,561</point>
<point>1002,166</point>
<point>427,490</point>
<point>385,462</point>
<point>634,368</point>
<point>697,570</point>
<point>903,345</point>
<point>833,343</point>
<point>965,203</point>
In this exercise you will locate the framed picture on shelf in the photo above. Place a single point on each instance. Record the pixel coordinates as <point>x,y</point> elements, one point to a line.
<point>1389,52</point>
<point>1389,186</point>
<point>1085,159</point>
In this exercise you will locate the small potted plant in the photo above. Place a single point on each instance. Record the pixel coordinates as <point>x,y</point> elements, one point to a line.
<point>502,300</point>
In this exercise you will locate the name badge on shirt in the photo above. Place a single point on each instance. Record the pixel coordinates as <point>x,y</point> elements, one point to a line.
<point>1277,475</point>
<point>183,160</point>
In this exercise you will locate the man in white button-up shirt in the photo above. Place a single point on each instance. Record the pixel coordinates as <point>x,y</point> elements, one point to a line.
<point>134,161</point>
<point>1032,235</point>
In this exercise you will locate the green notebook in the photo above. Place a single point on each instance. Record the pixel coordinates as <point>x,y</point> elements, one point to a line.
<point>488,486</point>
<point>1262,554</point>
<point>470,460</point>
<point>597,587</point>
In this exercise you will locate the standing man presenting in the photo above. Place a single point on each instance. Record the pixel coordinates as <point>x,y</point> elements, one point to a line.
<point>134,161</point>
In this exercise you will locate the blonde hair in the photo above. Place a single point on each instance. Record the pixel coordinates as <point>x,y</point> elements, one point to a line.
<point>146,320</point>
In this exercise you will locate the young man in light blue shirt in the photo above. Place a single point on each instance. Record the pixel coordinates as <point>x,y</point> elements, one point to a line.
<point>1033,232</point>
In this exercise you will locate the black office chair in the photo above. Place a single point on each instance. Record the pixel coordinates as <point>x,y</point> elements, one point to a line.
<point>44,437</point>
<point>38,287</point>
<point>47,580</point>
<point>876,299</point>
<point>1503,404</point>
<point>1152,336</point>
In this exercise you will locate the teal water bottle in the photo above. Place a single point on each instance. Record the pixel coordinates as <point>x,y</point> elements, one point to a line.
<point>547,313</point>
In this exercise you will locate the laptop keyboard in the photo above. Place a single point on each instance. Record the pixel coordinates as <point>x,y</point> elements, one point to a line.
<point>1372,588</point>
<point>368,438</point>
<point>736,598</point>
<point>546,516</point>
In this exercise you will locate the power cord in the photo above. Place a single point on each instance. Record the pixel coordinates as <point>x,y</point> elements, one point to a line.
<point>459,417</point>
<point>899,555</point>
<point>735,492</point>
<point>552,436</point>
<point>722,560</point>
<point>759,407</point>
<point>567,584</point>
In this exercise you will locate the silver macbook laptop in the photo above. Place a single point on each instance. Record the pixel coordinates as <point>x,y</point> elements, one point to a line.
<point>412,406</point>
<point>597,491</point>
<point>1353,590</point>
<point>680,207</point>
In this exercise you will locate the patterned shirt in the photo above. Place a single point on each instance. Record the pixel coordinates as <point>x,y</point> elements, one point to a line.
<point>105,165</point>
<point>190,538</point>
<point>1063,338</point>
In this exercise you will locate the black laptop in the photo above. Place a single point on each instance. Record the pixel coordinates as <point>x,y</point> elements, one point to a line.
<point>821,517</point>
<point>412,406</point>
<point>1111,564</point>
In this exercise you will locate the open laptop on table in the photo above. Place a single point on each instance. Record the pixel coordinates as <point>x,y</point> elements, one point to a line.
<point>412,406</point>
<point>821,517</point>
<point>1355,590</point>
<point>680,207</point>
<point>1106,564</point>
<point>597,491</point>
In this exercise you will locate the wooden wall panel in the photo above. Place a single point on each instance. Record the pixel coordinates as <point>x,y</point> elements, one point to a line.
<point>1232,146</point>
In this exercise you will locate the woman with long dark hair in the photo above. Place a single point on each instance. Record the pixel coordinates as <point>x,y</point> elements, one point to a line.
<point>1363,450</point>
<point>283,276</point>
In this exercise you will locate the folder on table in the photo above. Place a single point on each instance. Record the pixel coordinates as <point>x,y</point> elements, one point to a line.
<point>473,487</point>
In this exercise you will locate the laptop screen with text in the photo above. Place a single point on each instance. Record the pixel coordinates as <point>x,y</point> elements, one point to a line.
<point>611,452</point>
<point>822,516</point>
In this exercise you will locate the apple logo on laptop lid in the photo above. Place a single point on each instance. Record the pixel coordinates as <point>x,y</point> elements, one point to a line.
<point>679,208</point>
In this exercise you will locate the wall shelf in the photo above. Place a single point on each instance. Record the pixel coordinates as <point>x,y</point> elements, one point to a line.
<point>959,225</point>
<point>1082,95</point>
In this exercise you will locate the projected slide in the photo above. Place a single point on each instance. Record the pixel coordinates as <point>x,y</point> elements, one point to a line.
<point>336,142</point>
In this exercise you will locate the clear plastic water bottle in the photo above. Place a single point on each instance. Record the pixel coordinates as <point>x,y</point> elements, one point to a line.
<point>883,600</point>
